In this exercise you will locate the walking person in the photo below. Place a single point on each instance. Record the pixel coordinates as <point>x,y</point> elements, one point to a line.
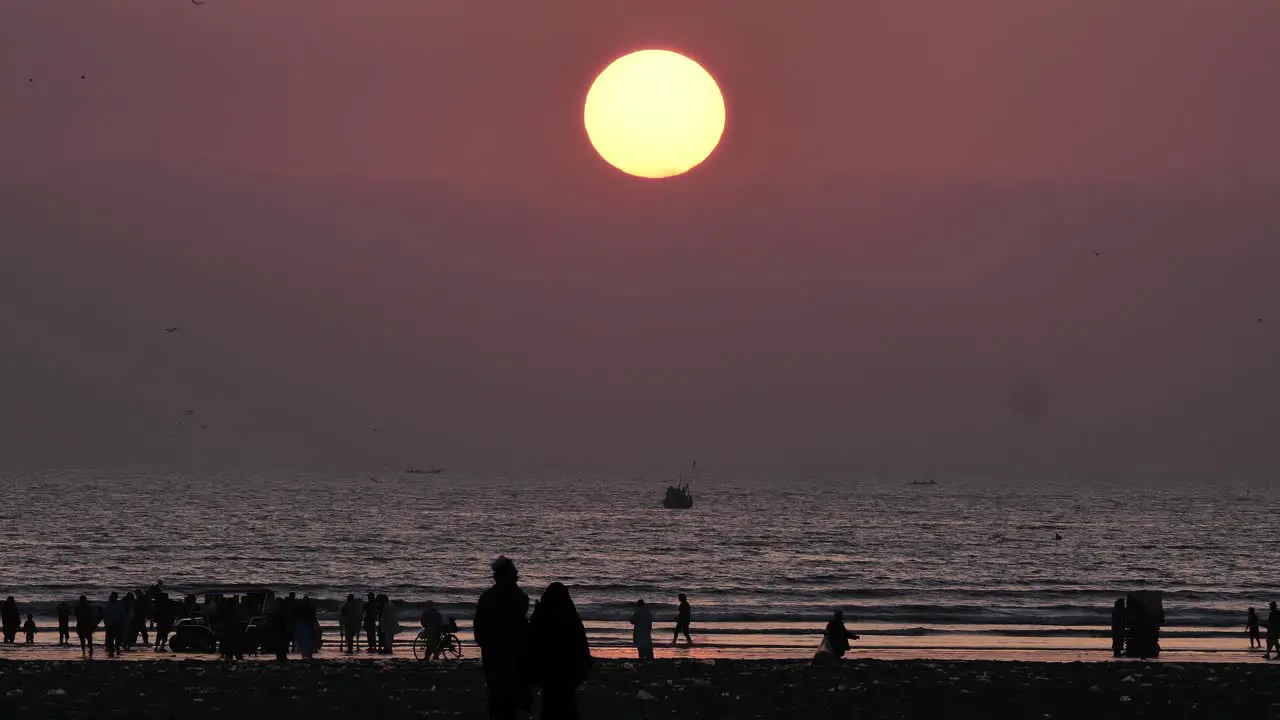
<point>562,659</point>
<point>86,623</point>
<point>1251,626</point>
<point>64,624</point>
<point>501,630</point>
<point>838,636</point>
<point>642,630</point>
<point>29,629</point>
<point>683,619</point>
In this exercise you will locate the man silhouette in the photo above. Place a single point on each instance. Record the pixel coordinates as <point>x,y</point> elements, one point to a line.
<point>500,628</point>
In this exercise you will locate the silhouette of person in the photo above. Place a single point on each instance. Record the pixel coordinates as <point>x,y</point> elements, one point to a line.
<point>10,619</point>
<point>563,658</point>
<point>305,628</point>
<point>127,634</point>
<point>1273,630</point>
<point>388,624</point>
<point>29,629</point>
<point>350,619</point>
<point>164,620</point>
<point>113,618</point>
<point>431,622</point>
<point>141,614</point>
<point>1119,620</point>
<point>291,608</point>
<point>371,622</point>
<point>838,636</point>
<point>501,628</point>
<point>86,623</point>
<point>64,624</point>
<point>683,618</point>
<point>280,630</point>
<point>1251,625</point>
<point>642,630</point>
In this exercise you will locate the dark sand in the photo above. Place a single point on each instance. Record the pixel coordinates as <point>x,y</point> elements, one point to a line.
<point>340,690</point>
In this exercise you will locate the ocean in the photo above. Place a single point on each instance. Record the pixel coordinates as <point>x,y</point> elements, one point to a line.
<point>968,565</point>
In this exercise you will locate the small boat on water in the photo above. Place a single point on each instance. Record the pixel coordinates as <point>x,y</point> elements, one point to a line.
<point>678,496</point>
<point>433,470</point>
<point>930,481</point>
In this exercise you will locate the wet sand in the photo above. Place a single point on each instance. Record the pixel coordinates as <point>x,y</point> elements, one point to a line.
<point>343,690</point>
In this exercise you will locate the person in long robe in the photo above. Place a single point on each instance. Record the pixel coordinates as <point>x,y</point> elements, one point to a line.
<point>304,629</point>
<point>389,626</point>
<point>838,636</point>
<point>501,629</point>
<point>559,651</point>
<point>642,631</point>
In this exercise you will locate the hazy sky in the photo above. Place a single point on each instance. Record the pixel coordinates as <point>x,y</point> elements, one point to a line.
<point>386,214</point>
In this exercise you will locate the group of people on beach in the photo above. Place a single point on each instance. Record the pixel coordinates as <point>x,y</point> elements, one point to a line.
<point>1272,626</point>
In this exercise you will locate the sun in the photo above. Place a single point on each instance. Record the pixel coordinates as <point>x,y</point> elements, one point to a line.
<point>654,114</point>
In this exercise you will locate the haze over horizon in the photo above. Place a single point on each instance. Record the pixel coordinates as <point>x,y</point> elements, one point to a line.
<point>386,215</point>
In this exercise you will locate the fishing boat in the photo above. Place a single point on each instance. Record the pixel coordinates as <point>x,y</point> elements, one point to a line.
<point>433,470</point>
<point>678,495</point>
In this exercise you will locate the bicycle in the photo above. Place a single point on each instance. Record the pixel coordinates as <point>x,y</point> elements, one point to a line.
<point>448,646</point>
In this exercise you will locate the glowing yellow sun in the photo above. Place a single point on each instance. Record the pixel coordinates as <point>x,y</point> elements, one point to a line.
<point>654,114</point>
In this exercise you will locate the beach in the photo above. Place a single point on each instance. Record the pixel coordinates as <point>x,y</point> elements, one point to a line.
<point>628,690</point>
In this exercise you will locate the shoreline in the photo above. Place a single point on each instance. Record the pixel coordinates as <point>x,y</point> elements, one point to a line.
<point>626,690</point>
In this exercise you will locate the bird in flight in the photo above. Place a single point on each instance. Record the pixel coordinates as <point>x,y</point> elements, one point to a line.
<point>170,331</point>
<point>1097,253</point>
<point>197,2</point>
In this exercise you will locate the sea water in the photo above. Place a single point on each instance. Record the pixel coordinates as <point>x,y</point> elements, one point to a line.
<point>968,564</point>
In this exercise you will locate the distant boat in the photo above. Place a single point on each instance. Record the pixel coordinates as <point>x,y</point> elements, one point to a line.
<point>930,481</point>
<point>678,496</point>
<point>433,470</point>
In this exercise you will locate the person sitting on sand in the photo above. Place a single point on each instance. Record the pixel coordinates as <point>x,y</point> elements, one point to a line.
<point>838,636</point>
<point>1251,626</point>
<point>64,624</point>
<point>642,630</point>
<point>86,623</point>
<point>29,628</point>
<point>431,622</point>
<point>349,616</point>
<point>1273,630</point>
<point>562,657</point>
<point>683,618</point>
<point>1119,621</point>
<point>501,629</point>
